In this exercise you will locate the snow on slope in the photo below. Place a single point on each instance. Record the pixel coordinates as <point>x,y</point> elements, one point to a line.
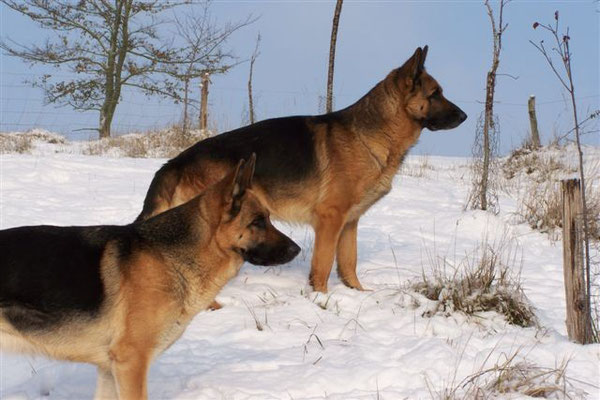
<point>344,345</point>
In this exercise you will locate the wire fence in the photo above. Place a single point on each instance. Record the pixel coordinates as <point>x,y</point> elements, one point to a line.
<point>22,108</point>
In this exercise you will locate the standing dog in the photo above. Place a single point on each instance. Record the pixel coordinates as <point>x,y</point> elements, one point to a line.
<point>117,296</point>
<point>323,170</point>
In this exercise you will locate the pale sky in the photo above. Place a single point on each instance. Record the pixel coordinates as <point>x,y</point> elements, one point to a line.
<point>374,37</point>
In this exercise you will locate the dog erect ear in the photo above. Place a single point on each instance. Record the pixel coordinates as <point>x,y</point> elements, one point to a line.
<point>414,66</point>
<point>242,180</point>
<point>247,173</point>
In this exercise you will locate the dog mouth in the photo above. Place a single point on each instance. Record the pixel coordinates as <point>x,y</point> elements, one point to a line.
<point>270,255</point>
<point>447,123</point>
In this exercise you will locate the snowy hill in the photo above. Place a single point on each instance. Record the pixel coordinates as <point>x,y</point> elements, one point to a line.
<point>275,339</point>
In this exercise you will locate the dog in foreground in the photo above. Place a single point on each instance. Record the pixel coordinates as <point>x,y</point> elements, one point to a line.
<point>117,296</point>
<point>324,170</point>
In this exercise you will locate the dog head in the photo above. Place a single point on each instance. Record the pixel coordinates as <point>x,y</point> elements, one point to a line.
<point>245,226</point>
<point>424,99</point>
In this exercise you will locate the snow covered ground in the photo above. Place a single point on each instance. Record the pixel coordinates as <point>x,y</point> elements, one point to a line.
<point>344,345</point>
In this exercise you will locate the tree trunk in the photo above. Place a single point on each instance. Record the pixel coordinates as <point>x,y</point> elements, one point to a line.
<point>115,60</point>
<point>250,99</point>
<point>106,116</point>
<point>535,136</point>
<point>490,87</point>
<point>487,126</point>
<point>334,29</point>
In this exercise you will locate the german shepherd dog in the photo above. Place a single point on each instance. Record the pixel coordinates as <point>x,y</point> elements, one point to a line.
<point>117,296</point>
<point>323,170</point>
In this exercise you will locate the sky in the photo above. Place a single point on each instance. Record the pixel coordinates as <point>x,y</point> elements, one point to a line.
<point>374,37</point>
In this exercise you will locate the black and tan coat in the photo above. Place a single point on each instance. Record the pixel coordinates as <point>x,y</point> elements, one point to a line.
<point>323,170</point>
<point>117,296</point>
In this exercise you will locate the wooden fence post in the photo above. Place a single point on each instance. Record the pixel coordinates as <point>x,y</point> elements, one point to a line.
<point>204,102</point>
<point>535,135</point>
<point>578,321</point>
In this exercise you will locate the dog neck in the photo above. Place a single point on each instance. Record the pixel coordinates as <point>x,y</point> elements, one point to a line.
<point>210,273</point>
<point>198,265</point>
<point>381,123</point>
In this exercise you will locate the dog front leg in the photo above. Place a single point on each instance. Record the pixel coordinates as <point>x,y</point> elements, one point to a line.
<point>346,256</point>
<point>130,369</point>
<point>105,386</point>
<point>327,231</point>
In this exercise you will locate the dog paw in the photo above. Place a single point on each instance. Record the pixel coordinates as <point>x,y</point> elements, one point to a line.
<point>215,305</point>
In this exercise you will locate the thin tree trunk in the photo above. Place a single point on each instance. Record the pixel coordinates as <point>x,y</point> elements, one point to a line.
<point>584,209</point>
<point>490,87</point>
<point>253,58</point>
<point>488,124</point>
<point>535,135</point>
<point>250,100</point>
<point>563,50</point>
<point>334,29</point>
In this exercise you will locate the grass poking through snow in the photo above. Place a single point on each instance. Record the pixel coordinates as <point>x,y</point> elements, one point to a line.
<point>485,280</point>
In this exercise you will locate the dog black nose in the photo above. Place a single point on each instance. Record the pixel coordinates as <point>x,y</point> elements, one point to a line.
<point>462,116</point>
<point>293,250</point>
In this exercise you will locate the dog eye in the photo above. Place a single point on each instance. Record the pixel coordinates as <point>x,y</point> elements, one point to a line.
<point>436,93</point>
<point>259,222</point>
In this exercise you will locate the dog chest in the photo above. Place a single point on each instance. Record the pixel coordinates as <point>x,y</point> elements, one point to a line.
<point>372,194</point>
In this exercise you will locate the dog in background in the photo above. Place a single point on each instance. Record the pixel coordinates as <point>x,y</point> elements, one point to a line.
<point>324,170</point>
<point>117,296</point>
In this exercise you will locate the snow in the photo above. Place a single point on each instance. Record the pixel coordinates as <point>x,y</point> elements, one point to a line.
<point>343,345</point>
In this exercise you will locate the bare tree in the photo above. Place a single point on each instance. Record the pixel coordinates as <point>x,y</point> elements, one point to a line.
<point>201,52</point>
<point>562,50</point>
<point>253,58</point>
<point>107,45</point>
<point>332,42</point>
<point>498,28</point>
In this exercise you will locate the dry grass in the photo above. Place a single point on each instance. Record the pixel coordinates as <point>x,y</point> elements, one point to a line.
<point>510,376</point>
<point>538,165</point>
<point>23,142</point>
<point>164,144</point>
<point>482,281</point>
<point>15,144</point>
<point>417,167</point>
<point>538,175</point>
<point>477,168</point>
